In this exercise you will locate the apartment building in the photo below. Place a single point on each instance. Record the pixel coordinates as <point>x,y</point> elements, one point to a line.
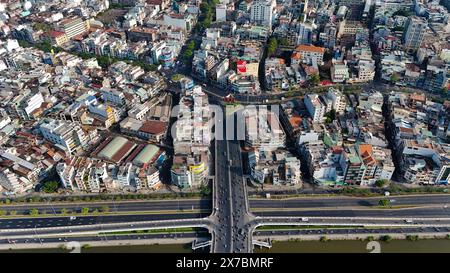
<point>309,54</point>
<point>66,135</point>
<point>261,12</point>
<point>316,107</point>
<point>73,26</point>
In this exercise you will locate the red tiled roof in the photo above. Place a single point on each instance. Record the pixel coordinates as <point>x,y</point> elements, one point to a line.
<point>153,127</point>
<point>55,33</point>
<point>310,48</point>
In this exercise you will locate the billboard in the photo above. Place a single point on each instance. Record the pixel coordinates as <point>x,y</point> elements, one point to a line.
<point>241,67</point>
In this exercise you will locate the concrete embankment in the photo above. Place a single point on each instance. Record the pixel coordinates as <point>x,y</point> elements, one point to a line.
<point>37,245</point>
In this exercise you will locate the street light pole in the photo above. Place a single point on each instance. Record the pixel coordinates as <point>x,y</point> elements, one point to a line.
<point>54,211</point>
<point>35,232</point>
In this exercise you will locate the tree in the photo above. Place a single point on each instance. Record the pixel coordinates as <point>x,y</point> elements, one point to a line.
<point>330,116</point>
<point>34,212</point>
<point>42,26</point>
<point>63,211</point>
<point>284,42</point>
<point>105,209</point>
<point>394,78</point>
<point>3,212</point>
<point>327,56</point>
<point>50,186</point>
<point>272,46</point>
<point>412,237</point>
<point>205,190</point>
<point>13,212</point>
<point>381,183</point>
<point>384,202</point>
<point>386,238</point>
<point>402,12</point>
<point>315,79</point>
<point>84,210</point>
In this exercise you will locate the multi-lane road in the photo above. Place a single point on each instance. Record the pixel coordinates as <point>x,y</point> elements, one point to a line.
<point>180,205</point>
<point>231,206</point>
<point>256,205</point>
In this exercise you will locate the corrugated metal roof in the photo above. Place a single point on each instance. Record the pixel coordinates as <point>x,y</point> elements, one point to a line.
<point>147,155</point>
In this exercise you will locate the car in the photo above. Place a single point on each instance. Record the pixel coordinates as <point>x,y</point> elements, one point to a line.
<point>71,218</point>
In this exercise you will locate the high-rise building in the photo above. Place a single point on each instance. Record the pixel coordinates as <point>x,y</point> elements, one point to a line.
<point>414,32</point>
<point>221,13</point>
<point>73,26</point>
<point>68,136</point>
<point>261,12</point>
<point>315,107</point>
<point>305,33</point>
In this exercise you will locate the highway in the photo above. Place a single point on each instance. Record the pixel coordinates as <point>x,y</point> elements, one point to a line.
<point>99,238</point>
<point>203,204</point>
<point>352,221</point>
<point>407,212</point>
<point>221,216</point>
<point>343,201</point>
<point>60,221</point>
<point>38,222</point>
<point>231,212</point>
<point>93,229</point>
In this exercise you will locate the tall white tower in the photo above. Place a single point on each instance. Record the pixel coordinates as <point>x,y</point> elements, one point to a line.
<point>261,12</point>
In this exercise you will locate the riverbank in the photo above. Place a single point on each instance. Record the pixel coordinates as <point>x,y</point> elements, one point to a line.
<point>111,245</point>
<point>358,246</point>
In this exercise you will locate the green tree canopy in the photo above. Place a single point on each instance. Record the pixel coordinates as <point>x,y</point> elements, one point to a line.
<point>381,183</point>
<point>384,202</point>
<point>394,78</point>
<point>315,78</point>
<point>50,186</point>
<point>34,212</point>
<point>272,46</point>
